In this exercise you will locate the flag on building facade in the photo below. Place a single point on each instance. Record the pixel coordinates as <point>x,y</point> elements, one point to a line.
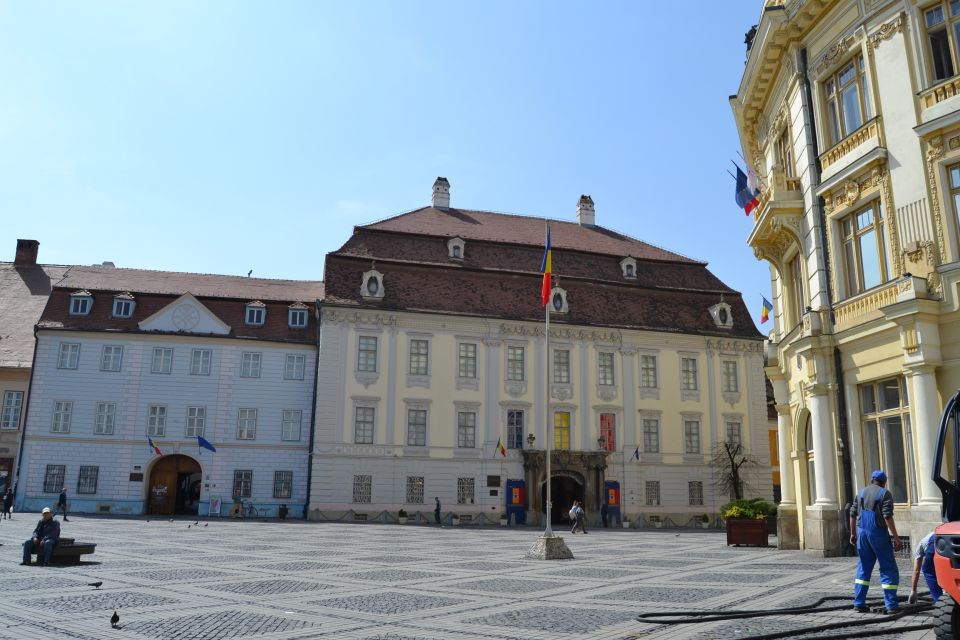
<point>765,310</point>
<point>747,198</point>
<point>204,443</point>
<point>546,267</point>
<point>500,448</point>
<point>636,454</point>
<point>155,448</point>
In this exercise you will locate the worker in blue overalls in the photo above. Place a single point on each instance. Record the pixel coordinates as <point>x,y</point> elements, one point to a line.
<point>871,526</point>
<point>923,563</point>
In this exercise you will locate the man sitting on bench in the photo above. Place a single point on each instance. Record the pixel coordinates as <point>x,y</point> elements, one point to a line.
<point>44,537</point>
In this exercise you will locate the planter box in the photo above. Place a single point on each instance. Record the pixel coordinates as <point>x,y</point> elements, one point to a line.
<point>402,520</point>
<point>626,524</point>
<point>503,522</point>
<point>747,531</point>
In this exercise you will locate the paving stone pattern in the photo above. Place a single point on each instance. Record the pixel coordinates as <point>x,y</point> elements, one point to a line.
<point>296,580</point>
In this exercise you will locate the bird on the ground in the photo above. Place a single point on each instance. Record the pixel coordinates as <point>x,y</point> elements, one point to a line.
<point>188,526</point>
<point>114,619</point>
<point>171,519</point>
<point>95,585</point>
<point>197,523</point>
<point>206,524</point>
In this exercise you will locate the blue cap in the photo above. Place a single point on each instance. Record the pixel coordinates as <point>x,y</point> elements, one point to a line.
<point>878,476</point>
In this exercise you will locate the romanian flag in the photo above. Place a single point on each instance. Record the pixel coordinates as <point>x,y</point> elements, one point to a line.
<point>155,448</point>
<point>747,196</point>
<point>765,310</point>
<point>500,448</point>
<point>546,266</point>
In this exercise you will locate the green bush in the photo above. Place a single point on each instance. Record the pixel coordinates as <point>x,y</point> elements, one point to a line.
<point>754,508</point>
<point>402,513</point>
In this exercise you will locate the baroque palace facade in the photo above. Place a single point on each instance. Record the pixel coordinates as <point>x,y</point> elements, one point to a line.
<point>848,111</point>
<point>432,350</point>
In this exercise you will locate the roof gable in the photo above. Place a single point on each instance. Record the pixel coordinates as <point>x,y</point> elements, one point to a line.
<point>186,314</point>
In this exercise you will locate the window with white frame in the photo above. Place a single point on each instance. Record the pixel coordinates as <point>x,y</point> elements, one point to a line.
<point>695,493</point>
<point>12,402</point>
<point>87,480</point>
<point>847,99</point>
<point>243,483</point>
<point>864,249</point>
<point>784,151</point>
<point>414,490</point>
<point>362,489</point>
<point>246,424</point>
<point>466,429</point>
<point>255,314</point>
<point>419,353</point>
<point>608,431</point>
<point>250,365</point>
<point>297,318</point>
<point>561,430</point>
<point>80,305</point>
<point>156,420</point>
<point>110,357</point>
<point>294,366</point>
<point>416,427</point>
<point>885,417</point>
<point>515,419</point>
<point>291,423</point>
<point>200,362</point>
<point>942,22</point>
<point>162,360</point>
<point>53,478</point>
<point>730,383</point>
<point>515,364</point>
<point>651,435</point>
<point>467,360</point>
<point>605,369</point>
<point>734,433</point>
<point>691,437</point>
<point>283,484</point>
<point>196,421</point>
<point>122,307</point>
<point>561,366</point>
<point>688,374</point>
<point>367,353</point>
<point>363,425</point>
<point>465,490</point>
<point>648,371</point>
<point>62,416</point>
<point>69,356</point>
<point>105,418</point>
<point>652,491</point>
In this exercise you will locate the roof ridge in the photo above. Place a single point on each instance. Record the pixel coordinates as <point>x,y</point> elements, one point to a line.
<point>185,273</point>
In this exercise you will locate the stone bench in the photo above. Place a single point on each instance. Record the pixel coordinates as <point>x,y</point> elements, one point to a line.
<point>68,551</point>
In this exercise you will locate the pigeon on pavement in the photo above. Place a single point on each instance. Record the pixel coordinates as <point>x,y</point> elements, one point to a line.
<point>114,619</point>
<point>95,585</point>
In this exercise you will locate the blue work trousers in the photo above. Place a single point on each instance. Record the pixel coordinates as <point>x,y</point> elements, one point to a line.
<point>873,545</point>
<point>930,573</point>
<point>47,549</point>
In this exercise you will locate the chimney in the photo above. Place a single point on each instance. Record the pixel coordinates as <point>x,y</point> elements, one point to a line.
<point>586,215</point>
<point>441,193</point>
<point>26,253</point>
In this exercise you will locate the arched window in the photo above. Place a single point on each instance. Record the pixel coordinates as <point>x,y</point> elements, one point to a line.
<point>811,463</point>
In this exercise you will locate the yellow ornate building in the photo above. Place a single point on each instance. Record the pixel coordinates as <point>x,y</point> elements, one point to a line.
<point>848,111</point>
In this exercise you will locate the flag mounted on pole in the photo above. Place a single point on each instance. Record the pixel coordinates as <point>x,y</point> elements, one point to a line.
<point>765,310</point>
<point>747,197</point>
<point>546,267</point>
<point>636,454</point>
<point>156,449</point>
<point>500,449</point>
<point>205,444</point>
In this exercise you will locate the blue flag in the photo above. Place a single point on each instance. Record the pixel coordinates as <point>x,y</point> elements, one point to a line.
<point>203,442</point>
<point>636,454</point>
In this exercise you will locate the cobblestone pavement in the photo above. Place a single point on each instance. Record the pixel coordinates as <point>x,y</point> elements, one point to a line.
<point>234,579</point>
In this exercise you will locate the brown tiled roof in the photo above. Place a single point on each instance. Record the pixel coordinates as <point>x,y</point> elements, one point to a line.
<point>514,229</point>
<point>99,278</point>
<point>23,294</point>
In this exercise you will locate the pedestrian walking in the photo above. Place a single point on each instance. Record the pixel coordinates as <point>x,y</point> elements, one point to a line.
<point>577,515</point>
<point>871,526</point>
<point>923,563</point>
<point>436,511</point>
<point>62,504</point>
<point>8,504</point>
<point>604,511</point>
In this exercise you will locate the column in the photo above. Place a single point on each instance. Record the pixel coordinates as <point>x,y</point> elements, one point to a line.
<point>925,422</point>
<point>787,495</point>
<point>824,447</point>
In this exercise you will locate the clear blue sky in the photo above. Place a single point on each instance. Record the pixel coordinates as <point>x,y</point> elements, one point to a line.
<point>227,136</point>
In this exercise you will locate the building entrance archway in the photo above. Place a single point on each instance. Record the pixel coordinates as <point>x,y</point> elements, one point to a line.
<point>565,487</point>
<point>173,487</point>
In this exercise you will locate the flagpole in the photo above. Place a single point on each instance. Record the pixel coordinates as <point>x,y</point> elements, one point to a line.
<point>546,419</point>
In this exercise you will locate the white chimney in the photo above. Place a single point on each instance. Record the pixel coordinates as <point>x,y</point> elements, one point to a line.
<point>441,193</point>
<point>586,215</point>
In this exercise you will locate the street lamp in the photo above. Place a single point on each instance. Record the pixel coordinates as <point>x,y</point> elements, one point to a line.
<point>601,441</point>
<point>530,440</point>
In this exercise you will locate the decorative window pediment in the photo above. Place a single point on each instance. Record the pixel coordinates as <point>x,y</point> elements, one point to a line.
<point>80,303</point>
<point>371,287</point>
<point>123,305</point>
<point>558,300</point>
<point>722,315</point>
<point>628,266</point>
<point>456,248</point>
<point>298,315</point>
<point>255,313</point>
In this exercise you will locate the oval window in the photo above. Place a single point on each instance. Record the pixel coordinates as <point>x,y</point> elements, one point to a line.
<point>373,286</point>
<point>723,315</point>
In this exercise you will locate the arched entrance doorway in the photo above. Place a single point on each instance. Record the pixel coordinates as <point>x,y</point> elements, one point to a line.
<point>565,487</point>
<point>174,486</point>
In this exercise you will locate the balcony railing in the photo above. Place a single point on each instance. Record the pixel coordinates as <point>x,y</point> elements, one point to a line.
<point>864,307</point>
<point>943,91</point>
<point>871,129</point>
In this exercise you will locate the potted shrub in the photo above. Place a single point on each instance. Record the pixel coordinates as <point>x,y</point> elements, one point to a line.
<point>455,521</point>
<point>282,511</point>
<point>626,522</point>
<point>503,519</point>
<point>705,521</point>
<point>657,522</point>
<point>402,516</point>
<point>746,521</point>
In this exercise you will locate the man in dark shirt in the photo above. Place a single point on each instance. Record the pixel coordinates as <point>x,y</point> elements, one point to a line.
<point>871,526</point>
<point>44,537</point>
<point>62,504</point>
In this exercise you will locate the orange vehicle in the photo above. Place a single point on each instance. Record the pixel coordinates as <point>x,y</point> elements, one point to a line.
<point>946,474</point>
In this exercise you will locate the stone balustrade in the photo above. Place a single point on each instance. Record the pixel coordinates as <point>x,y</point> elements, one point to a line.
<point>871,129</point>
<point>864,307</point>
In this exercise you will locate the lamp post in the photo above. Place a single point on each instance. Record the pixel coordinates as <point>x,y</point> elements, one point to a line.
<point>530,440</point>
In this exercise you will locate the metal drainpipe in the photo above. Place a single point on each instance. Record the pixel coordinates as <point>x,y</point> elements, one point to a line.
<point>313,413</point>
<point>26,414</point>
<point>837,363</point>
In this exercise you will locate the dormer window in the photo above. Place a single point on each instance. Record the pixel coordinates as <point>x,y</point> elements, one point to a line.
<point>123,305</point>
<point>255,313</point>
<point>371,286</point>
<point>456,248</point>
<point>297,316</point>
<point>558,300</point>
<point>722,315</point>
<point>80,303</point>
<point>628,266</point>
